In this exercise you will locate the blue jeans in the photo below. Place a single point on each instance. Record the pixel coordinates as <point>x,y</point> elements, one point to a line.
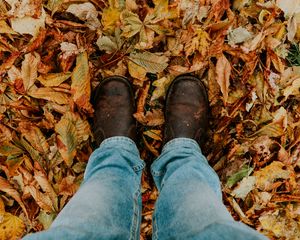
<point>108,204</point>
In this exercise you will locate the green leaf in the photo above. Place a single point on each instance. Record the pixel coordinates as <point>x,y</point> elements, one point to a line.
<point>232,180</point>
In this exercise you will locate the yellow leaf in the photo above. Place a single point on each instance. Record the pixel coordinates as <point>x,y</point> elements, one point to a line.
<point>72,131</point>
<point>223,71</point>
<point>4,28</point>
<point>132,24</point>
<point>80,87</point>
<point>154,134</point>
<point>110,18</point>
<point>136,71</point>
<point>161,85</point>
<point>53,79</point>
<point>50,95</point>
<point>266,176</point>
<point>11,227</point>
<point>34,136</point>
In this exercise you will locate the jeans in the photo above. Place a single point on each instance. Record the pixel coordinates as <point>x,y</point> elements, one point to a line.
<point>108,203</point>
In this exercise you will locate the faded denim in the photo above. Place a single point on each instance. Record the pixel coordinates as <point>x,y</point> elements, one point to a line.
<point>108,204</point>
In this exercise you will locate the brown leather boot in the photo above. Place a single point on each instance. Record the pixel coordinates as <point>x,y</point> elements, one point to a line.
<point>186,110</point>
<point>114,105</point>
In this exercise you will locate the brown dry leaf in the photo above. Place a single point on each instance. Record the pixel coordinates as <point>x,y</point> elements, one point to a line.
<point>151,118</point>
<point>86,12</point>
<point>223,71</point>
<point>269,174</point>
<point>29,69</point>
<point>42,180</point>
<point>9,190</point>
<point>81,83</point>
<point>41,199</point>
<point>68,186</point>
<point>34,136</point>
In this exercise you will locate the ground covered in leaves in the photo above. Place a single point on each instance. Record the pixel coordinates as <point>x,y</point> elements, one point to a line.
<point>52,53</point>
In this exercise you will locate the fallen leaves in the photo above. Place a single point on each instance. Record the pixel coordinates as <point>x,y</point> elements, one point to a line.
<point>245,52</point>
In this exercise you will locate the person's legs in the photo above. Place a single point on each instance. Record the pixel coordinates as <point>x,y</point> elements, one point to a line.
<point>190,201</point>
<point>108,204</point>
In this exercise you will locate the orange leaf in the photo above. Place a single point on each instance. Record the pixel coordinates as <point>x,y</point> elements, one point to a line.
<point>223,70</point>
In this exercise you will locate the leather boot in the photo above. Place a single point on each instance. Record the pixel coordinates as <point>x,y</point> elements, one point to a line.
<point>114,105</point>
<point>186,110</point>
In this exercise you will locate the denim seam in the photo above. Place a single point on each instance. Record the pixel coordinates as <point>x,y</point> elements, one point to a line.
<point>134,234</point>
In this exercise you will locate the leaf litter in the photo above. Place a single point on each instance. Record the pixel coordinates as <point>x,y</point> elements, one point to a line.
<point>53,53</point>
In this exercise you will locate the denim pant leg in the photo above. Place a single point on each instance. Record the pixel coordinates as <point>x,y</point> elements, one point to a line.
<point>190,201</point>
<point>108,203</point>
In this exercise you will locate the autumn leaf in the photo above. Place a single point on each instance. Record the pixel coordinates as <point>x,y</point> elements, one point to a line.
<point>53,79</point>
<point>223,70</point>
<point>12,227</point>
<point>6,187</point>
<point>80,87</point>
<point>72,131</point>
<point>50,95</point>
<point>269,174</point>
<point>4,28</point>
<point>29,25</point>
<point>110,18</point>
<point>29,69</point>
<point>42,180</point>
<point>161,85</point>
<point>86,12</point>
<point>34,135</point>
<point>41,199</point>
<point>153,63</point>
